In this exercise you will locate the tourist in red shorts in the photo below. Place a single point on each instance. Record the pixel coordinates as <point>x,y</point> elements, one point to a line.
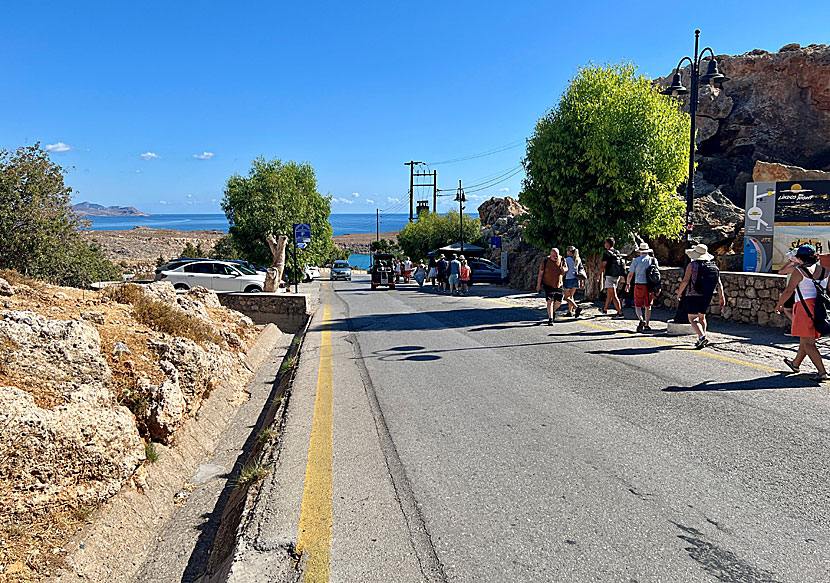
<point>643,298</point>
<point>803,284</point>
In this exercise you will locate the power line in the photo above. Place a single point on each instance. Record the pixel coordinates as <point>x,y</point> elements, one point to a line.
<point>503,148</point>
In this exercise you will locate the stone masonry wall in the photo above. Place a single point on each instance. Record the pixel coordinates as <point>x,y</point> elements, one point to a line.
<point>289,312</point>
<point>750,297</point>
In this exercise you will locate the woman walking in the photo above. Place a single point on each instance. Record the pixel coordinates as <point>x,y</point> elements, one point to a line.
<point>465,276</point>
<point>807,275</point>
<point>571,281</point>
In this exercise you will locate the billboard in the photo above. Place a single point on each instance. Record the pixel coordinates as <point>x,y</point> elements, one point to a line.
<point>782,216</point>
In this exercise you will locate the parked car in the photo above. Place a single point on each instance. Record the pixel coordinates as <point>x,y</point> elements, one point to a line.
<point>174,263</point>
<point>484,271</point>
<point>341,269</point>
<point>311,272</point>
<point>220,276</point>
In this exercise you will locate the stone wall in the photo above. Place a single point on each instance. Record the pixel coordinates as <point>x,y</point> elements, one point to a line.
<point>750,297</point>
<point>289,312</point>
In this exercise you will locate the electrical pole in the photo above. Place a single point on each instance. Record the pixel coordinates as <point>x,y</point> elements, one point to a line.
<point>412,186</point>
<point>435,191</point>
<point>461,200</point>
<point>377,238</point>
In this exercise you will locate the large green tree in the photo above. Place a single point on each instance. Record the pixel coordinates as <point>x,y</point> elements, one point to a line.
<point>606,161</point>
<point>40,235</point>
<point>433,231</point>
<point>268,201</point>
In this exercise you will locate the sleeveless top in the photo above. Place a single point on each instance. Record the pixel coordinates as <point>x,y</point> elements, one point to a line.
<point>806,287</point>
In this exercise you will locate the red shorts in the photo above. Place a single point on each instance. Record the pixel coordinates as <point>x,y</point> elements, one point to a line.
<point>642,297</point>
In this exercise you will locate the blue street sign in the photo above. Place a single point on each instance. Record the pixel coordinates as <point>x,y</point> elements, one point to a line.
<point>302,233</point>
<point>302,245</point>
<point>495,242</point>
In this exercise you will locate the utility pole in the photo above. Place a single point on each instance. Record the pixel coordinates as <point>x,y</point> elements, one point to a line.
<point>377,238</point>
<point>461,200</point>
<point>411,165</point>
<point>434,184</point>
<point>435,191</point>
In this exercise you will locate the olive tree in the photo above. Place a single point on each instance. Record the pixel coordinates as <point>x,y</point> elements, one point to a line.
<point>606,161</point>
<point>433,231</point>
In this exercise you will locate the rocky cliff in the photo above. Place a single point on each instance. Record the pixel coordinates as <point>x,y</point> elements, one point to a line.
<point>774,108</point>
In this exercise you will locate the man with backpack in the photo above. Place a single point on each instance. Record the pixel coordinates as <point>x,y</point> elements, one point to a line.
<point>610,271</point>
<point>551,274</point>
<point>645,272</point>
<point>701,279</point>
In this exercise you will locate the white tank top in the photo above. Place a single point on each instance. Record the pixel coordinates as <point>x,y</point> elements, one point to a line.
<point>806,287</point>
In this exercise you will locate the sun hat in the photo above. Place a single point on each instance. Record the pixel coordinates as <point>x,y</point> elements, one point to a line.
<point>805,250</point>
<point>699,251</point>
<point>644,248</point>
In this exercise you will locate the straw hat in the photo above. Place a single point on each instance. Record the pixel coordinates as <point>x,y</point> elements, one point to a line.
<point>699,251</point>
<point>644,248</point>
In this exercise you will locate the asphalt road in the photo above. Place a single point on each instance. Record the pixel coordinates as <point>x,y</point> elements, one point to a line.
<point>471,444</point>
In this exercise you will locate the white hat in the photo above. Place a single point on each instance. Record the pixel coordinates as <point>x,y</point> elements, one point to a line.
<point>644,248</point>
<point>699,251</point>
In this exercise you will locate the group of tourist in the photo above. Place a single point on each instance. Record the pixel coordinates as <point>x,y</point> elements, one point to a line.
<point>451,277</point>
<point>559,277</point>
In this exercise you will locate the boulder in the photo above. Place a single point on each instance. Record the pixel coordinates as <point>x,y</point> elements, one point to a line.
<point>167,409</point>
<point>495,208</point>
<point>6,288</point>
<point>773,172</point>
<point>94,317</point>
<point>205,296</point>
<point>81,451</point>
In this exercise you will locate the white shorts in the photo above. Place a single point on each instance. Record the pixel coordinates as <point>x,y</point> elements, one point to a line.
<point>610,281</point>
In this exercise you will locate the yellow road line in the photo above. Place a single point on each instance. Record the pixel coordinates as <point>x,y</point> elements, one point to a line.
<point>657,342</point>
<point>314,540</point>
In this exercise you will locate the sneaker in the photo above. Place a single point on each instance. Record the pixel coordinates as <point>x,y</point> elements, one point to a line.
<point>647,328</point>
<point>619,316</point>
<point>701,342</point>
<point>578,311</point>
<point>550,321</point>
<point>604,312</point>
<point>568,315</point>
<point>640,326</point>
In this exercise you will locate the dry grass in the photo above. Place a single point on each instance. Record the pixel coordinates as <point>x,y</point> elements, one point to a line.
<point>15,278</point>
<point>169,320</point>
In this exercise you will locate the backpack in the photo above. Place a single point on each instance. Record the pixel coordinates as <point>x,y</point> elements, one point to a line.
<point>707,278</point>
<point>581,274</point>
<point>653,276</point>
<point>617,267</point>
<point>821,317</point>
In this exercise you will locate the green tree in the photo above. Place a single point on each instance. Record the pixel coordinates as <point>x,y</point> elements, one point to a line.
<point>224,249</point>
<point>268,201</point>
<point>606,161</point>
<point>384,246</point>
<point>191,250</point>
<point>40,235</point>
<point>433,231</point>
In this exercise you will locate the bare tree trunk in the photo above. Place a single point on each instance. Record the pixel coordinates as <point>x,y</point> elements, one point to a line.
<point>274,275</point>
<point>593,288</point>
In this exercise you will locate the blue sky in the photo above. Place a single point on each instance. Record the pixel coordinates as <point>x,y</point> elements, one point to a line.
<point>355,89</point>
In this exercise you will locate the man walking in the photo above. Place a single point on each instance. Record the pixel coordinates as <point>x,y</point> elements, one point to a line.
<point>610,271</point>
<point>441,269</point>
<point>699,282</point>
<point>551,272</point>
<point>455,275</point>
<point>643,296</point>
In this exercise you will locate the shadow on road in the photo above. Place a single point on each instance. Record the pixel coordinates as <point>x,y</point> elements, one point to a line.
<point>640,350</point>
<point>436,320</point>
<point>781,381</point>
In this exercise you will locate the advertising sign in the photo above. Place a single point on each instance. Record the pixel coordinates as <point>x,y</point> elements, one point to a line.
<point>800,213</point>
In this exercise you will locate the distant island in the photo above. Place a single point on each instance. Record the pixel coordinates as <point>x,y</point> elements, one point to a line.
<point>89,209</point>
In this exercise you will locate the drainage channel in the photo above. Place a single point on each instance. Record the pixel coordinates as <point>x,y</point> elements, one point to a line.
<point>263,449</point>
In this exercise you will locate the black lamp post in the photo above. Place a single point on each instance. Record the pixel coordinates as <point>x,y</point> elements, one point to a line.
<point>676,88</point>
<point>461,198</point>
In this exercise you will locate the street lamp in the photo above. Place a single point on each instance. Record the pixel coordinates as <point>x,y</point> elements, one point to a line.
<point>461,198</point>
<point>677,88</point>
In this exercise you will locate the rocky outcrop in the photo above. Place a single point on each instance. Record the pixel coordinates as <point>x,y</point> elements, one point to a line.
<point>496,209</point>
<point>774,108</point>
<point>500,217</point>
<point>771,172</point>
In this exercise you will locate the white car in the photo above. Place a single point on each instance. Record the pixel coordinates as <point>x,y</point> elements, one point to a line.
<point>220,276</point>
<point>311,272</point>
<point>341,270</point>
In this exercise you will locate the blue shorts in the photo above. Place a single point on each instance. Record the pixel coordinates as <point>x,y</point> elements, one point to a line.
<point>454,279</point>
<point>571,283</point>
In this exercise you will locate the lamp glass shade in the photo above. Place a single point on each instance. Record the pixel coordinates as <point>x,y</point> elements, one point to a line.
<point>676,87</point>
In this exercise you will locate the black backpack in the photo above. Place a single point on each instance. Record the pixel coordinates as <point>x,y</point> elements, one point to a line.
<point>821,317</point>
<point>617,267</point>
<point>653,276</point>
<point>707,278</point>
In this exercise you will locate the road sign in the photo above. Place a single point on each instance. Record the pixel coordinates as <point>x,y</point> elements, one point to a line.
<point>302,233</point>
<point>302,245</point>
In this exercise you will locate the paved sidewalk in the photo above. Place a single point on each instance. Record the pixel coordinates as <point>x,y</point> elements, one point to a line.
<point>763,348</point>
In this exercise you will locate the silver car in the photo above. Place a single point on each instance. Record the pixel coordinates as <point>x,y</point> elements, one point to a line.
<point>220,276</point>
<point>341,270</point>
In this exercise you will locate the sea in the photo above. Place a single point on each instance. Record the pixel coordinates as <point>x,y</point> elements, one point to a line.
<point>341,224</point>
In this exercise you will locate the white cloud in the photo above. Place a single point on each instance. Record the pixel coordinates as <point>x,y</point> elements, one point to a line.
<point>344,200</point>
<point>390,199</point>
<point>162,202</point>
<point>137,171</point>
<point>204,156</point>
<point>369,201</point>
<point>213,200</point>
<point>59,147</point>
<point>356,194</point>
<point>150,156</point>
<point>505,189</point>
<point>189,196</point>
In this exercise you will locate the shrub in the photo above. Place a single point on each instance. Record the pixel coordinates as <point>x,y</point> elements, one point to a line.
<point>164,318</point>
<point>251,474</point>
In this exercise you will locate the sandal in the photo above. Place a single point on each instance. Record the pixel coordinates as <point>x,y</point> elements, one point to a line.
<point>819,377</point>
<point>789,363</point>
